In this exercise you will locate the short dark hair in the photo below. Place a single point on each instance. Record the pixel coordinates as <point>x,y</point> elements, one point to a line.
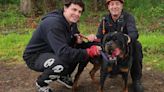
<point>67,3</point>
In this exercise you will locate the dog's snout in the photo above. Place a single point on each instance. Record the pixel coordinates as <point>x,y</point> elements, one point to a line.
<point>109,43</point>
<point>109,47</point>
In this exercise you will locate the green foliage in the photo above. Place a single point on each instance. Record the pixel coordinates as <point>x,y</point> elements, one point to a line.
<point>4,2</point>
<point>150,18</point>
<point>11,19</point>
<point>131,4</point>
<point>157,11</point>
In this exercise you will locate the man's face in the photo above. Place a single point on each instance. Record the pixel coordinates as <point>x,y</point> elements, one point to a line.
<point>115,8</point>
<point>72,13</point>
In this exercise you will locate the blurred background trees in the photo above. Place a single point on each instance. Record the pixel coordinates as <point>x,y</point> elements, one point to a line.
<point>149,13</point>
<point>35,7</point>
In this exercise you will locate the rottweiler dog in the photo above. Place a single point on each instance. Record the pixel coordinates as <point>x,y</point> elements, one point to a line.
<point>116,58</point>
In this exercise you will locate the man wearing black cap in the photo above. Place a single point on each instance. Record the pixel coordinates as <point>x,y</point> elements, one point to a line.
<point>121,21</point>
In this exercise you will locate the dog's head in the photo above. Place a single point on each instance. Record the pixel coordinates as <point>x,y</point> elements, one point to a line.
<point>116,44</point>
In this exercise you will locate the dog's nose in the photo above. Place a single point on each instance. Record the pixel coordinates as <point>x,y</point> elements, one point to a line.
<point>109,43</point>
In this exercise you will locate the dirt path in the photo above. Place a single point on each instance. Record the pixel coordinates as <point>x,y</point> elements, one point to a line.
<point>18,78</point>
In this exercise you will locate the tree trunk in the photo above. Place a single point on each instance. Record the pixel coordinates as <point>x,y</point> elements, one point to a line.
<point>26,7</point>
<point>36,7</point>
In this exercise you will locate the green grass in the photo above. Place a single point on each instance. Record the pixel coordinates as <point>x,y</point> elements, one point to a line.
<point>155,61</point>
<point>152,40</point>
<point>153,49</point>
<point>12,46</point>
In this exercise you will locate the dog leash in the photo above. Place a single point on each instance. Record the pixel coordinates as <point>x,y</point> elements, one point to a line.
<point>104,56</point>
<point>95,40</point>
<point>108,59</point>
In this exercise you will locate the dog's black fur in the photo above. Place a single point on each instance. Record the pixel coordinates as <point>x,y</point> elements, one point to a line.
<point>110,42</point>
<point>117,58</point>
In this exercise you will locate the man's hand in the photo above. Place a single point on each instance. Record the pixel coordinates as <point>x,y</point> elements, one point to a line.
<point>93,51</point>
<point>91,37</point>
<point>79,39</point>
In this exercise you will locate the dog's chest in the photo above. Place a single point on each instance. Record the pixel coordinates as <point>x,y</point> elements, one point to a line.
<point>115,66</point>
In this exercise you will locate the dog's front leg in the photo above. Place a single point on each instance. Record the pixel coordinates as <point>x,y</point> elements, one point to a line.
<point>125,78</point>
<point>77,76</point>
<point>95,68</point>
<point>103,75</point>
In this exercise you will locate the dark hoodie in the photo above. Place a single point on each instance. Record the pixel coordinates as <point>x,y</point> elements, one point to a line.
<point>54,35</point>
<point>126,21</point>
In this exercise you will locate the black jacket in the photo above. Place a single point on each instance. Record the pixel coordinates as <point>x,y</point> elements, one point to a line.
<point>125,24</point>
<point>55,35</point>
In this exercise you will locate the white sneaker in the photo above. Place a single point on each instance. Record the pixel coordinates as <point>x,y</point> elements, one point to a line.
<point>43,89</point>
<point>66,80</point>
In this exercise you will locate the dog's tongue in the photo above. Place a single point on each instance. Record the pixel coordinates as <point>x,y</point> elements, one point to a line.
<point>116,52</point>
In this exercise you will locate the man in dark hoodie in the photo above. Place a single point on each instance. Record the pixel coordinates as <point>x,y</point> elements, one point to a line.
<point>52,48</point>
<point>117,20</point>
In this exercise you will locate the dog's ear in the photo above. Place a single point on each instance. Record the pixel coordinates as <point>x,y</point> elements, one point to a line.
<point>106,38</point>
<point>111,36</point>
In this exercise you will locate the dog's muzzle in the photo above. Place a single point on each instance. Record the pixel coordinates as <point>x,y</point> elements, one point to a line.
<point>112,49</point>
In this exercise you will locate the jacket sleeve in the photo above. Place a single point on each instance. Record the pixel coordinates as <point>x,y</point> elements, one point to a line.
<point>131,28</point>
<point>58,42</point>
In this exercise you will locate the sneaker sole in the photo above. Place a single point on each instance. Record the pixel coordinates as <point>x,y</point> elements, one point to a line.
<point>68,86</point>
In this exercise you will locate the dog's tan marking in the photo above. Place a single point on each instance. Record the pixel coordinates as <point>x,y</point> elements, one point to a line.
<point>109,69</point>
<point>124,69</point>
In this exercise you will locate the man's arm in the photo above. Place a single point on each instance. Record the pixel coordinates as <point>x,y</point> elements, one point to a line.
<point>131,28</point>
<point>58,42</point>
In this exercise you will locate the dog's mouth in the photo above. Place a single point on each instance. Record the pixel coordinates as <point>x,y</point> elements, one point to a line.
<point>113,49</point>
<point>116,52</point>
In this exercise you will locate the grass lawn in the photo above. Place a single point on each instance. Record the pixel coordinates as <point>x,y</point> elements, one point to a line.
<point>13,45</point>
